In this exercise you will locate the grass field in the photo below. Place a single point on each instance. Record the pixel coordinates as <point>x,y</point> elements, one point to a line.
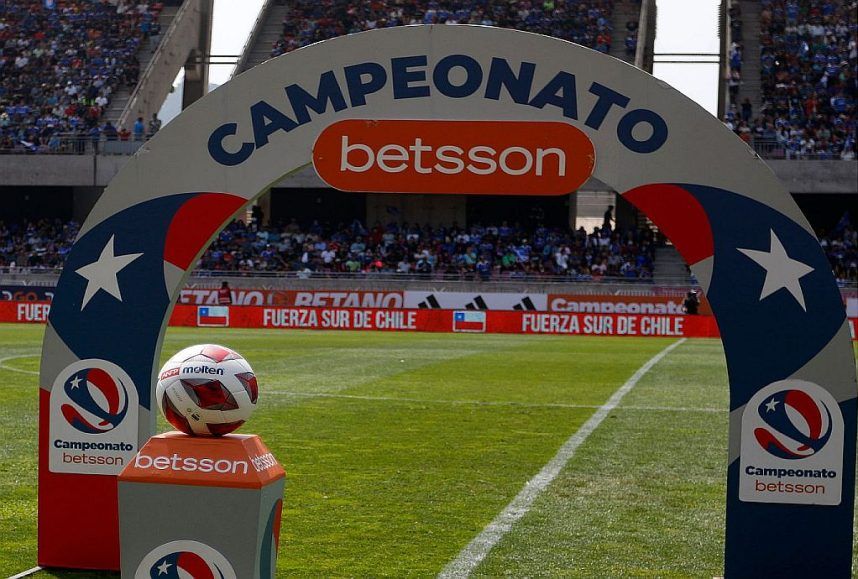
<point>401,448</point>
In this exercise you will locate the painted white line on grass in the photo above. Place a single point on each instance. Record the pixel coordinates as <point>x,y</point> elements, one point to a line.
<point>3,365</point>
<point>474,553</point>
<point>674,409</point>
<point>490,402</point>
<point>26,573</point>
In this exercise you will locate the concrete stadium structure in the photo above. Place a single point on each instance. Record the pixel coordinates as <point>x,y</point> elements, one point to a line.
<point>33,182</point>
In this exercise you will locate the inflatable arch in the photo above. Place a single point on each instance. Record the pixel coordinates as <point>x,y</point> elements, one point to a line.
<point>789,488</point>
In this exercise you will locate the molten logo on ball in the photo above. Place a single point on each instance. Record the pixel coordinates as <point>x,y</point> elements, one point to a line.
<point>97,401</point>
<point>796,425</point>
<point>207,390</point>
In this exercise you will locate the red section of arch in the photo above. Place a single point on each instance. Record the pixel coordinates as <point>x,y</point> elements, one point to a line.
<point>679,215</point>
<point>195,222</point>
<point>68,501</point>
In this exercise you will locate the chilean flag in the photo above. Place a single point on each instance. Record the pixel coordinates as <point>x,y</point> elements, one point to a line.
<point>469,321</point>
<point>213,316</point>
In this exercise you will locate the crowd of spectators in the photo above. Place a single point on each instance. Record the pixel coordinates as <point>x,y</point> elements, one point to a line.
<point>36,244</point>
<point>60,63</point>
<point>473,252</point>
<point>586,22</point>
<point>476,251</point>
<point>841,248</point>
<point>808,61</point>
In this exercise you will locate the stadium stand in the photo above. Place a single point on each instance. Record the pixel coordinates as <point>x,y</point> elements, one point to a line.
<point>26,179</point>
<point>491,252</point>
<point>41,244</point>
<point>60,64</point>
<point>483,251</point>
<point>807,68</point>
<point>841,248</point>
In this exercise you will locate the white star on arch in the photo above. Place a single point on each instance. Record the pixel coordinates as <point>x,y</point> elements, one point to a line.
<point>781,270</point>
<point>162,568</point>
<point>101,274</point>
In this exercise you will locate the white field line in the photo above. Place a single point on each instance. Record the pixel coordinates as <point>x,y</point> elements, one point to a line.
<point>11,369</point>
<point>26,573</point>
<point>491,402</point>
<point>474,553</point>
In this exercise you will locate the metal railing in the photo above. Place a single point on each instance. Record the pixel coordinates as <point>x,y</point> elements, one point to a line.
<point>772,149</point>
<point>71,144</point>
<point>269,279</point>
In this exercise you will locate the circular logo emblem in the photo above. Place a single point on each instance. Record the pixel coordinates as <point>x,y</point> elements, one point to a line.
<point>796,425</point>
<point>184,559</point>
<point>96,396</point>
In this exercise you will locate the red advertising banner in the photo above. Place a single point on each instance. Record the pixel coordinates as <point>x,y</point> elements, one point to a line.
<point>397,320</point>
<point>493,322</point>
<point>25,312</point>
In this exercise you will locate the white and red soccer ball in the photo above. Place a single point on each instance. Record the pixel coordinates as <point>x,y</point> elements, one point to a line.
<point>207,390</point>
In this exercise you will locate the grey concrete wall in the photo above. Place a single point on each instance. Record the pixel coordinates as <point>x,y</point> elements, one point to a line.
<point>59,170</point>
<point>817,176</point>
<point>89,171</point>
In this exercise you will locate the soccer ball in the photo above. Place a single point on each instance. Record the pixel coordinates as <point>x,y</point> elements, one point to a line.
<point>207,390</point>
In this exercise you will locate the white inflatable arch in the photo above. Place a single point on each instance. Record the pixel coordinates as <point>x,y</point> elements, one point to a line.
<point>777,306</point>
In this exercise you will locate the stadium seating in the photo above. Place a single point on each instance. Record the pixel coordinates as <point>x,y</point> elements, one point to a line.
<point>841,248</point>
<point>808,59</point>
<point>36,244</point>
<point>483,252</point>
<point>479,252</point>
<point>476,252</point>
<point>59,64</point>
<point>586,22</point>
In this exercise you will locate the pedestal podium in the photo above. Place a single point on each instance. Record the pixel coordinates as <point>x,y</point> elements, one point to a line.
<point>208,506</point>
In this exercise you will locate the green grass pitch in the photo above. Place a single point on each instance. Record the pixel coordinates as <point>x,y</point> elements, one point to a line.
<point>401,448</point>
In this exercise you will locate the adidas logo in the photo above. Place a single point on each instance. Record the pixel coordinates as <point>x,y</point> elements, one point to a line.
<point>525,304</point>
<point>431,303</point>
<point>477,304</point>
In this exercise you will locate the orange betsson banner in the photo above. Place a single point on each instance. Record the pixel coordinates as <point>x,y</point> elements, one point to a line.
<point>441,156</point>
<point>427,320</point>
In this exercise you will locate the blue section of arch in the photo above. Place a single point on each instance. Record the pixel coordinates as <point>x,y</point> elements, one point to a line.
<point>124,331</point>
<point>766,340</point>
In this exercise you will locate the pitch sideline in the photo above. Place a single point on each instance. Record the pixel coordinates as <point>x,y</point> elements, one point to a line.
<point>475,552</point>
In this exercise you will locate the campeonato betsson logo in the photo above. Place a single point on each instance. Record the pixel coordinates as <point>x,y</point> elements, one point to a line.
<point>184,560</point>
<point>97,401</point>
<point>796,424</point>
